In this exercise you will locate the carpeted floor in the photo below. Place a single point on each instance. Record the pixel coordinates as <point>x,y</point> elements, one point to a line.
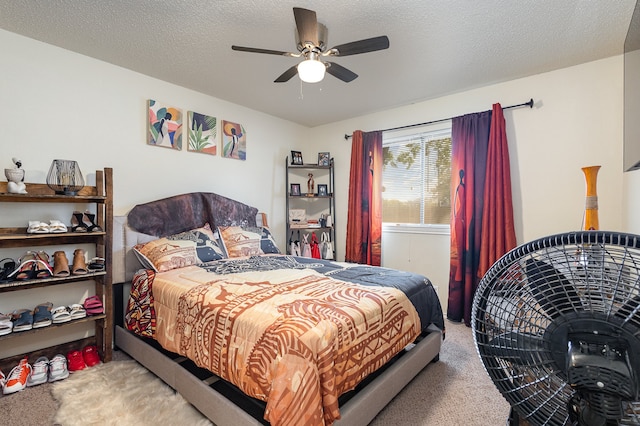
<point>454,391</point>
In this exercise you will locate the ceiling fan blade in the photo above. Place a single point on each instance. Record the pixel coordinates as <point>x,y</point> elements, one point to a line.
<point>307,25</point>
<point>341,72</point>
<point>361,46</point>
<point>267,51</point>
<point>287,75</point>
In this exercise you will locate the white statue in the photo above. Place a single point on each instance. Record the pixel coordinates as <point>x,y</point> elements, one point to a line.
<point>15,178</point>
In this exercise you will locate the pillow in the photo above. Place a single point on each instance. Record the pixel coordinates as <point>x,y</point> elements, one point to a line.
<point>239,242</point>
<point>192,247</point>
<point>267,242</point>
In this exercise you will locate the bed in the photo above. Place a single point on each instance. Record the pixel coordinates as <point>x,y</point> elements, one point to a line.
<point>250,335</point>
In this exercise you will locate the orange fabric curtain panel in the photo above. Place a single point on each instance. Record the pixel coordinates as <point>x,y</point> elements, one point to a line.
<point>364,217</point>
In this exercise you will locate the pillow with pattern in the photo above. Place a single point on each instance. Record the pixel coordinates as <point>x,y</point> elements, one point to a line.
<point>238,242</point>
<point>243,241</point>
<point>192,247</point>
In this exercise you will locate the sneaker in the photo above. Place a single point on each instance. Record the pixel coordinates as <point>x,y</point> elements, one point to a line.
<point>58,368</point>
<point>17,380</point>
<point>39,372</point>
<point>75,361</point>
<point>90,355</point>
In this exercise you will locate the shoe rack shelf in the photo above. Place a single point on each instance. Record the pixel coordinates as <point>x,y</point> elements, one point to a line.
<point>100,195</point>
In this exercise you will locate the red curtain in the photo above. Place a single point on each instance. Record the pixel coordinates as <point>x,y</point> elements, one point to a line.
<point>482,228</point>
<point>469,142</point>
<point>364,217</point>
<point>498,230</point>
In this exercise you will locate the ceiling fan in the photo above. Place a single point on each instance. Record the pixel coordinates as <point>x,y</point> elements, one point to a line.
<point>311,38</point>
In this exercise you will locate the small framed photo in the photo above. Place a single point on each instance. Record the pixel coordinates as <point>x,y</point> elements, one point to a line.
<point>323,159</point>
<point>296,158</point>
<point>295,189</point>
<point>322,190</point>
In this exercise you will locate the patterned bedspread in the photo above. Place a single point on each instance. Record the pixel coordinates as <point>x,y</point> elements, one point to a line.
<point>293,332</point>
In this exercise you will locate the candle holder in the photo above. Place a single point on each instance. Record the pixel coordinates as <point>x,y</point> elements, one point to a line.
<point>65,177</point>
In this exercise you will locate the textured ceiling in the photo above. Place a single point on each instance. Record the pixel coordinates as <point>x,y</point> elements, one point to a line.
<point>437,47</point>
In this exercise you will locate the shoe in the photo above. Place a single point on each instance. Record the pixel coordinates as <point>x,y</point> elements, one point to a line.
<point>75,361</point>
<point>17,380</point>
<point>7,266</point>
<point>22,320</point>
<point>58,368</point>
<point>79,263</point>
<point>93,305</point>
<point>57,227</point>
<point>32,266</point>
<point>77,225</point>
<point>96,264</point>
<point>76,311</point>
<point>37,227</point>
<point>39,372</point>
<point>90,355</point>
<point>42,315</point>
<point>60,314</point>
<point>6,325</point>
<point>60,264</point>
<point>42,267</point>
<point>2,379</point>
<point>89,221</point>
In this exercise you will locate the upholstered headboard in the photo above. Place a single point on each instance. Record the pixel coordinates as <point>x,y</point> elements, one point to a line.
<point>172,215</point>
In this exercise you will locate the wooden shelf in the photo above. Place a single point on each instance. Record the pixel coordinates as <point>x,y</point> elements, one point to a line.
<point>52,326</point>
<point>42,282</point>
<point>102,196</point>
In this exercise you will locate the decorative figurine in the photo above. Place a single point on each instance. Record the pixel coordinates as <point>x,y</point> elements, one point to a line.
<point>15,178</point>
<point>310,185</point>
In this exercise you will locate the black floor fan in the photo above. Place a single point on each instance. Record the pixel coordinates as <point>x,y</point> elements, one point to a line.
<point>556,323</point>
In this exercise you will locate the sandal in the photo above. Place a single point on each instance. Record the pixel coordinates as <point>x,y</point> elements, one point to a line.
<point>37,227</point>
<point>43,260</point>
<point>7,266</point>
<point>77,311</point>
<point>22,320</point>
<point>60,314</point>
<point>90,222</point>
<point>93,305</point>
<point>57,227</point>
<point>79,264</point>
<point>60,264</point>
<point>96,264</point>
<point>42,315</point>
<point>77,225</point>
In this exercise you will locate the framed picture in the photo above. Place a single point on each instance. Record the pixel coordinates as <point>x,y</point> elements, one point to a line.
<point>296,158</point>
<point>322,190</point>
<point>323,159</point>
<point>295,189</point>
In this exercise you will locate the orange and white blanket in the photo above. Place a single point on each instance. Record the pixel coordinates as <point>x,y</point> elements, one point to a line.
<point>295,339</point>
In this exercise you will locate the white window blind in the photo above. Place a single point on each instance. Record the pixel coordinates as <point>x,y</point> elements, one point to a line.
<point>416,179</point>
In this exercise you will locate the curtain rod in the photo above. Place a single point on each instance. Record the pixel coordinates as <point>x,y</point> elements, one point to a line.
<point>529,104</point>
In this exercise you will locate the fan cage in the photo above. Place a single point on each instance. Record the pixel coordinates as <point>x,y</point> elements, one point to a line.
<point>530,300</point>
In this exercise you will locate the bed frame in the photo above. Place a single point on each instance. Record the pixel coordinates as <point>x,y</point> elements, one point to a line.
<point>218,400</point>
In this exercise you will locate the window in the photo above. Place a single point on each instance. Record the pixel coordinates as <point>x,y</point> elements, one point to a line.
<point>416,179</point>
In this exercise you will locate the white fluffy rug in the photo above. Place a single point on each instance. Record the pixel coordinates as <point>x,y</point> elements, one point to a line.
<point>121,393</point>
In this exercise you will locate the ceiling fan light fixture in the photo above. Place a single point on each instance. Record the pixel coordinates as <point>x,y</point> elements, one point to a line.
<point>311,70</point>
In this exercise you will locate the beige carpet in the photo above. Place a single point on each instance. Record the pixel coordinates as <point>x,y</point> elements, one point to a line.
<point>454,391</point>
